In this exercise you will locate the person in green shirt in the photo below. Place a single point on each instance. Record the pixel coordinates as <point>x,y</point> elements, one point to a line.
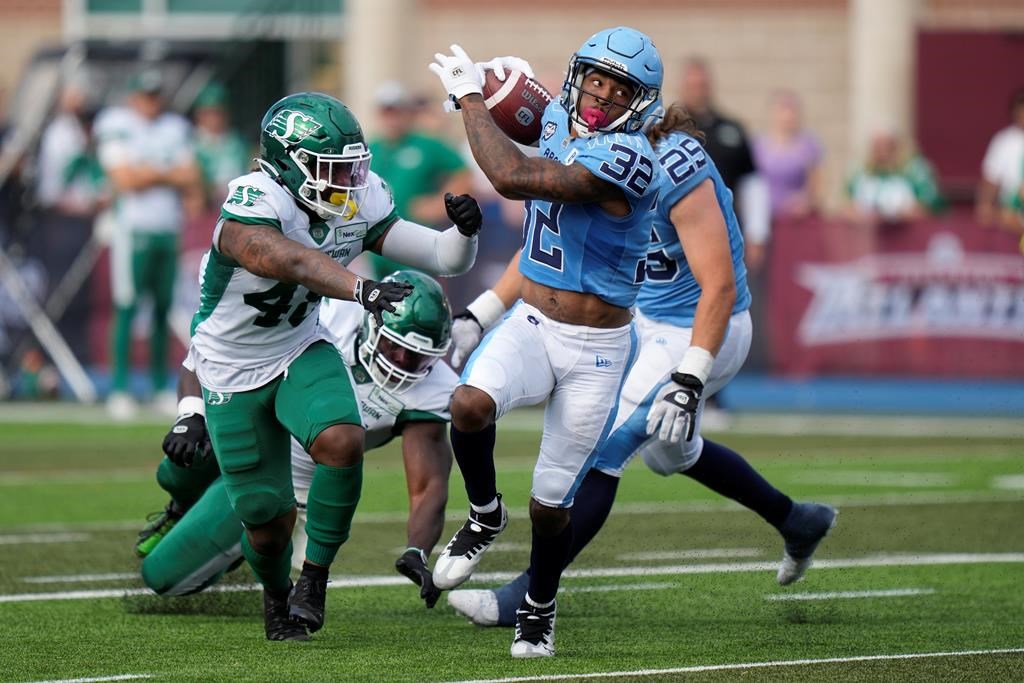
<point>894,184</point>
<point>420,168</point>
<point>221,152</point>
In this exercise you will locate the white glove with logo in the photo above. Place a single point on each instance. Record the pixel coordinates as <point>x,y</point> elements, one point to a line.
<point>499,65</point>
<point>468,327</point>
<point>457,72</point>
<point>674,416</point>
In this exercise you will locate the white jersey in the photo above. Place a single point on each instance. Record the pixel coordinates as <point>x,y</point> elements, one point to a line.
<point>383,413</point>
<point>126,138</point>
<point>249,328</point>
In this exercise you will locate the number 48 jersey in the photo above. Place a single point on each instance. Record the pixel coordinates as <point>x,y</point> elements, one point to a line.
<point>579,247</point>
<point>670,292</point>
<point>249,328</point>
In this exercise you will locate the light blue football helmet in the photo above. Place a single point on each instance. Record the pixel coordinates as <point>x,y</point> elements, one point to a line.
<point>628,55</point>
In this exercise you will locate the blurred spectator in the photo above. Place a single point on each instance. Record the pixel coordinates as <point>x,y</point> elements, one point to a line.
<point>147,154</point>
<point>71,190</point>
<point>895,184</point>
<point>789,156</point>
<point>418,167</point>
<point>1002,170</point>
<point>727,143</point>
<point>221,152</point>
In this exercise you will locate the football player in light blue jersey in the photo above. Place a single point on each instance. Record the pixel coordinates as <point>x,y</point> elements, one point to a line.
<point>695,333</point>
<point>571,339</point>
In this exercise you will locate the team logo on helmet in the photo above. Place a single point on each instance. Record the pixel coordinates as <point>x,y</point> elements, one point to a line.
<point>292,126</point>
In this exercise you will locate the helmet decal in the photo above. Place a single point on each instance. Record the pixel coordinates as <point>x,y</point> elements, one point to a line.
<point>291,127</point>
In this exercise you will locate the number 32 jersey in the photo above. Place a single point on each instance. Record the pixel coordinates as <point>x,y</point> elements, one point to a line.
<point>249,328</point>
<point>579,247</point>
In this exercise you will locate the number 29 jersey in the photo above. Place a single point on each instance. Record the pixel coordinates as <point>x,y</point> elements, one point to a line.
<point>670,292</point>
<point>248,328</point>
<point>579,247</point>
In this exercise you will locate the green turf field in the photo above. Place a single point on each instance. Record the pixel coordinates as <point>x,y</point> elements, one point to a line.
<point>927,557</point>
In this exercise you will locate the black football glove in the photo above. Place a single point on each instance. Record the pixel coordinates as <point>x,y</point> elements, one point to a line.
<point>413,564</point>
<point>464,212</point>
<point>187,440</point>
<point>674,415</point>
<point>377,297</point>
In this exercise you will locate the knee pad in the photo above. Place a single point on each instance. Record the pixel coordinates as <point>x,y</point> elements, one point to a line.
<point>257,505</point>
<point>668,459</point>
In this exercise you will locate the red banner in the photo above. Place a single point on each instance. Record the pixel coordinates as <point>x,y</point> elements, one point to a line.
<point>938,297</point>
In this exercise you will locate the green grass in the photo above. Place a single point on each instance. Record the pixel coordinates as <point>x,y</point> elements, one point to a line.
<point>898,496</point>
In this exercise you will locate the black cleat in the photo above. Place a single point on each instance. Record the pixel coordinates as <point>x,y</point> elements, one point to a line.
<point>278,625</point>
<point>463,553</point>
<point>159,524</point>
<point>306,602</point>
<point>535,631</point>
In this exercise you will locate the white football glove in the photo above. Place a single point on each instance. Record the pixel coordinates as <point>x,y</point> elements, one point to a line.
<point>499,65</point>
<point>458,74</point>
<point>673,416</point>
<point>468,327</point>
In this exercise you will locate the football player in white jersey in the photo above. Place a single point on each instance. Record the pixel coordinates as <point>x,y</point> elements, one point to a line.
<point>266,369</point>
<point>403,391</point>
<point>147,154</point>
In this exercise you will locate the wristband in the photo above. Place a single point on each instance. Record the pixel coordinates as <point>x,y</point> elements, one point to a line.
<point>696,362</point>
<point>487,308</point>
<point>191,405</point>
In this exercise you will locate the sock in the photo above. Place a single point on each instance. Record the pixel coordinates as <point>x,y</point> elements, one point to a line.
<point>484,509</point>
<point>475,455</point>
<point>725,472</point>
<point>333,496</point>
<point>547,558</point>
<point>122,341</point>
<point>272,571</point>
<point>590,508</point>
<point>315,572</point>
<point>187,484</point>
<point>158,351</point>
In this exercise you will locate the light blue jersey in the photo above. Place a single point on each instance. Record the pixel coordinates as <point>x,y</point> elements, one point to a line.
<point>671,292</point>
<point>579,247</point>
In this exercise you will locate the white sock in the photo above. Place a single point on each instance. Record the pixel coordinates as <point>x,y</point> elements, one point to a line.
<point>484,509</point>
<point>529,601</point>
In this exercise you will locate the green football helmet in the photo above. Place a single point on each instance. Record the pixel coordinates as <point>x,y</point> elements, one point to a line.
<point>314,147</point>
<point>402,351</point>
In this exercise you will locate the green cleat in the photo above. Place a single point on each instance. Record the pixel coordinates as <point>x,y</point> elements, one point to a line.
<point>159,525</point>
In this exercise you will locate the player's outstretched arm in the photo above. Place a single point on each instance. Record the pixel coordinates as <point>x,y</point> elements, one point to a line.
<point>513,174</point>
<point>448,252</point>
<point>264,251</point>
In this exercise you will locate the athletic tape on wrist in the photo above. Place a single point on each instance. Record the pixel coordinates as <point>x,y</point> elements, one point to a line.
<point>487,308</point>
<point>191,404</point>
<point>697,362</point>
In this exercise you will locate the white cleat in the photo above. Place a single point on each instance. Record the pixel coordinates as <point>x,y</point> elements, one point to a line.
<point>804,528</point>
<point>479,606</point>
<point>121,406</point>
<point>535,631</point>
<point>463,553</point>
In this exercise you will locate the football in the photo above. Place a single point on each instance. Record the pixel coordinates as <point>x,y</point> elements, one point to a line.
<point>516,104</point>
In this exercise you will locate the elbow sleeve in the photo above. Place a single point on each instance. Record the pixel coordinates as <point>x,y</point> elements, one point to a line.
<point>447,252</point>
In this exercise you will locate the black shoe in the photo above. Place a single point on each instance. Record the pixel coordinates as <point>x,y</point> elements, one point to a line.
<point>159,524</point>
<point>805,527</point>
<point>278,625</point>
<point>306,602</point>
<point>535,631</point>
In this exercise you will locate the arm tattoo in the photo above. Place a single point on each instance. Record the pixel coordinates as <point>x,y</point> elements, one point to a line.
<point>264,251</point>
<point>518,176</point>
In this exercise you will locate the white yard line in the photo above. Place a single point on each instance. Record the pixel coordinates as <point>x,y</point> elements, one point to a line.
<point>748,665</point>
<point>692,554</point>
<point>1011,482</point>
<point>910,498</point>
<point>849,595</point>
<point>650,586</point>
<point>56,537</point>
<point>119,677</point>
<point>600,572</point>
<point>877,478</point>
<point>80,578</point>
